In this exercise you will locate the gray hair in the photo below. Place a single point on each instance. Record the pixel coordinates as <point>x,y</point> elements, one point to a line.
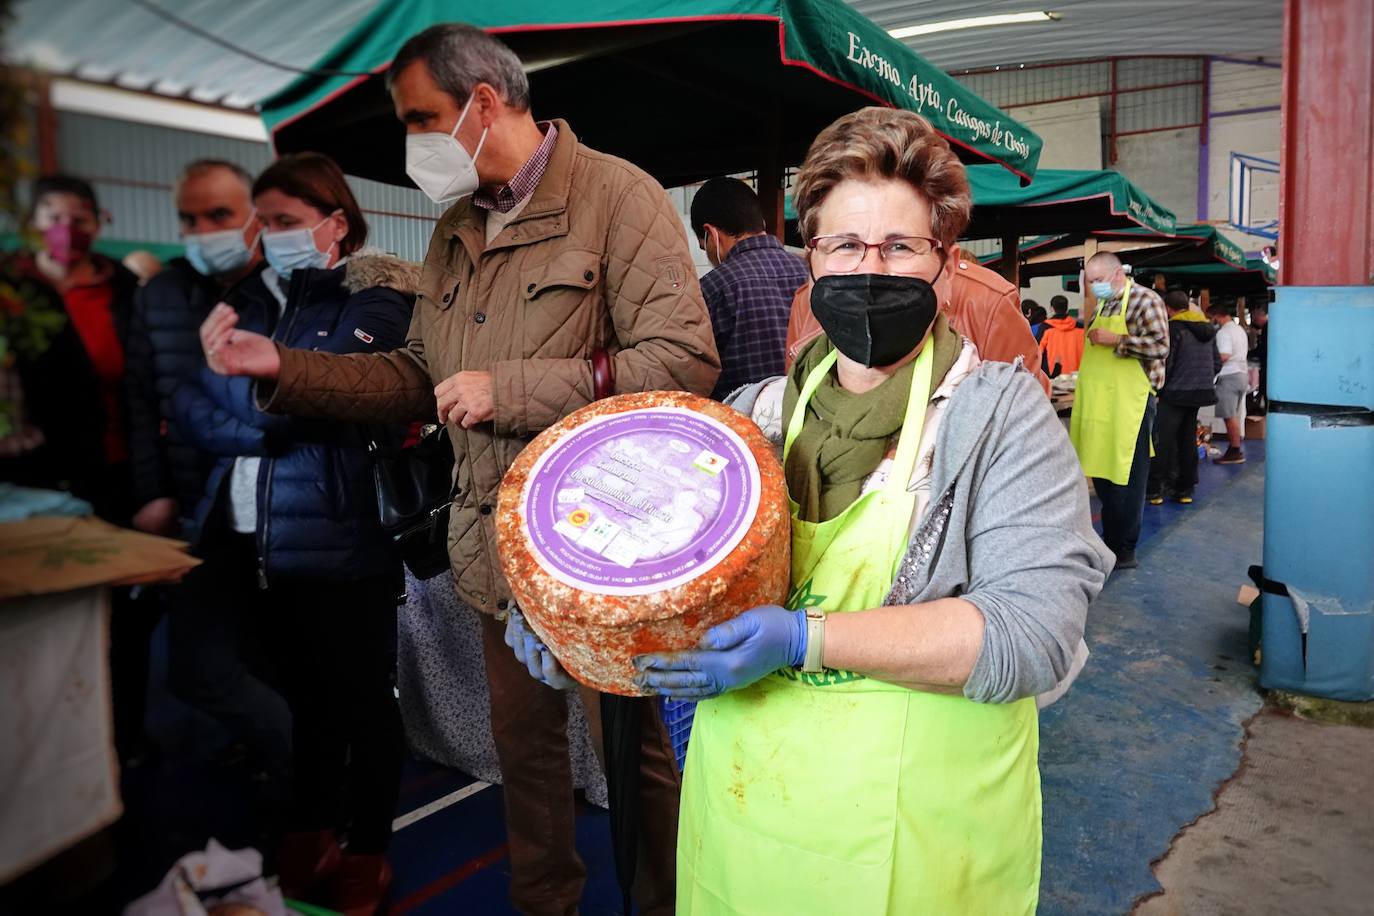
<point>201,166</point>
<point>458,56</point>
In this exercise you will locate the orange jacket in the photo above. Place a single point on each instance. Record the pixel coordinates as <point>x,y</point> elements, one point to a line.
<point>979,304</point>
<point>1062,344</point>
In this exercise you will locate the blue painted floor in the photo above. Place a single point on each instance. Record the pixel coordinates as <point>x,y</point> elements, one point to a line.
<point>1154,725</point>
<point>1129,757</point>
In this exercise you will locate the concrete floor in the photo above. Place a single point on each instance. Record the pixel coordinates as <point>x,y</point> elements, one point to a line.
<point>1293,831</point>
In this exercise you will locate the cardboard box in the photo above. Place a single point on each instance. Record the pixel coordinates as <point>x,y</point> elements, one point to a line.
<point>1254,427</point>
<point>44,555</point>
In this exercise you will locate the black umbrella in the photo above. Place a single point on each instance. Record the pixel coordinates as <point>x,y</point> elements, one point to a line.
<point>621,725</point>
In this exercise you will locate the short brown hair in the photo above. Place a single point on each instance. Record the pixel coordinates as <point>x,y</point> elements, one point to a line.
<point>317,180</point>
<point>886,143</point>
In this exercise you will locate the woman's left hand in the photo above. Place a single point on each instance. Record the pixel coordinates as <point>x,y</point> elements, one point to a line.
<point>734,654</point>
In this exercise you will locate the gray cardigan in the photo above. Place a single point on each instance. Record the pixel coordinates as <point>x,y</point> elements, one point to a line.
<point>1007,529</point>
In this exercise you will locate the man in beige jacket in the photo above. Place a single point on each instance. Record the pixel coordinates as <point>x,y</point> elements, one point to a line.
<point>552,252</point>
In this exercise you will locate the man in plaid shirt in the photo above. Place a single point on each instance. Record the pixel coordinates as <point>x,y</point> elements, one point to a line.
<point>749,294</point>
<point>1114,406</point>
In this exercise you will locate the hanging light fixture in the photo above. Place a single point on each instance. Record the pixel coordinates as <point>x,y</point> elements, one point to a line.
<point>951,25</point>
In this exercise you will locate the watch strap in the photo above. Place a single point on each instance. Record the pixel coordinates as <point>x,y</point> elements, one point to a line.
<point>815,642</point>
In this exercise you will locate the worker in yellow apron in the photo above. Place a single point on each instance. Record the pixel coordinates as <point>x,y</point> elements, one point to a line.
<point>1109,405</point>
<point>836,793</point>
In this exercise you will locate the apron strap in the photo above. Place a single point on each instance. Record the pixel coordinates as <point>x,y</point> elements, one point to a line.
<point>909,443</point>
<point>813,381</point>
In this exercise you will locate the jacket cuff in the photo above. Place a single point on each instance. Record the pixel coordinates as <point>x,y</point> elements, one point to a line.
<point>275,396</point>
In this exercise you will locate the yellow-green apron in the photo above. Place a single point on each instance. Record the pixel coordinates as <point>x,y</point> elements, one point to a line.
<point>834,793</point>
<point>1109,403</point>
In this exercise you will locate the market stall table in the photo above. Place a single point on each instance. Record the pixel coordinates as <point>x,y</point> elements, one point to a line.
<point>59,778</point>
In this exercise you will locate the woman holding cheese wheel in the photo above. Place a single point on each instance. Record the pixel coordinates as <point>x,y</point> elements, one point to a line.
<point>872,747</point>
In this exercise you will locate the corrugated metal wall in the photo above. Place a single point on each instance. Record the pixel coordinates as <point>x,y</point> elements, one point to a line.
<point>1146,110</point>
<point>133,167</point>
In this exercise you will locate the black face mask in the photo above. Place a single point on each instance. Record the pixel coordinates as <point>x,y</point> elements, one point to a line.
<point>874,319</point>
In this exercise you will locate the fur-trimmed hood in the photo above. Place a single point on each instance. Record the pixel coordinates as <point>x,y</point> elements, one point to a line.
<point>369,267</point>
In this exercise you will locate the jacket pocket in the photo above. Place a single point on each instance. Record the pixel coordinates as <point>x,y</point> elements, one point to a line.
<point>438,286</point>
<point>563,301</point>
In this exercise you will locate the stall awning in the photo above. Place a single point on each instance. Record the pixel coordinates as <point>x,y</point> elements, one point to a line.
<point>1187,245</point>
<point>1209,244</point>
<point>689,91</point>
<point>1058,201</point>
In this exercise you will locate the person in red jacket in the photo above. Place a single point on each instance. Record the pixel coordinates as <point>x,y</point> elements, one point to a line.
<point>1062,343</point>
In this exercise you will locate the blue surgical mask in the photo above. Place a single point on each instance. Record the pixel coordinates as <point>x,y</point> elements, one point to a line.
<point>219,253</point>
<point>294,249</point>
<point>1102,289</point>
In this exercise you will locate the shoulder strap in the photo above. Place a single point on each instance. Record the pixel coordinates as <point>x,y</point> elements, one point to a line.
<point>603,374</point>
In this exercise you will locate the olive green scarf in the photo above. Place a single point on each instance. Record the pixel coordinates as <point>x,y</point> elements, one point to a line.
<point>846,435</point>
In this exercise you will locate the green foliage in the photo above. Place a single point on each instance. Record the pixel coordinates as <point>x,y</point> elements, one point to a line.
<point>28,320</point>
<point>16,127</point>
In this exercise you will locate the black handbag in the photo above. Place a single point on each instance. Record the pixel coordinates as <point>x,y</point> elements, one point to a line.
<point>415,488</point>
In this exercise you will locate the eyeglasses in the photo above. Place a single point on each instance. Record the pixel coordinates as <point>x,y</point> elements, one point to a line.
<point>904,254</point>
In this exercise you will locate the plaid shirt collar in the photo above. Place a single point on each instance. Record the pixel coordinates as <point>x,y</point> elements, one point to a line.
<point>751,243</point>
<point>505,199</point>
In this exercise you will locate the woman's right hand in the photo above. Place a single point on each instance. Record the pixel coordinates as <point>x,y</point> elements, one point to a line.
<point>230,351</point>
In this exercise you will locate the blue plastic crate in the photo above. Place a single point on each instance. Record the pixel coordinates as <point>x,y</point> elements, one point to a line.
<point>677,718</point>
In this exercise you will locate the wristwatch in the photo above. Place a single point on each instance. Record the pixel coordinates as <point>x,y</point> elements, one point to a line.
<point>815,641</point>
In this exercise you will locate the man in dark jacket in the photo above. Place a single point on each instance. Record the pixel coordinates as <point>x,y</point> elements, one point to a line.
<point>221,237</point>
<point>205,666</point>
<point>1192,363</point>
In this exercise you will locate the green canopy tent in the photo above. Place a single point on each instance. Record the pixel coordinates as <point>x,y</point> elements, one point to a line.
<point>687,91</point>
<point>1144,249</point>
<point>1253,281</point>
<point>1057,201</point>
<point>1196,251</point>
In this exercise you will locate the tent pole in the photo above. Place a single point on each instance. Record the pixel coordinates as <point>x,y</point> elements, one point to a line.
<point>1011,258</point>
<point>771,196</point>
<point>1089,303</point>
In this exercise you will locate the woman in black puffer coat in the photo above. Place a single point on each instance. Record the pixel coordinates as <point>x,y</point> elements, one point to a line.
<point>289,526</point>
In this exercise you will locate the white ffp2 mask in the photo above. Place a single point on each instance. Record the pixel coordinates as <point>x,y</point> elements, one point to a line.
<point>440,166</point>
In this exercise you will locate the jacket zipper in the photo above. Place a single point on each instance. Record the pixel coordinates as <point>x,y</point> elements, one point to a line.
<point>264,513</point>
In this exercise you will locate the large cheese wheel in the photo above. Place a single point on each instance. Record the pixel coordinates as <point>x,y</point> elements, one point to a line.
<point>636,524</point>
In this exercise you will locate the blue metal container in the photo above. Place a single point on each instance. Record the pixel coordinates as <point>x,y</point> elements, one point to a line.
<point>1319,493</point>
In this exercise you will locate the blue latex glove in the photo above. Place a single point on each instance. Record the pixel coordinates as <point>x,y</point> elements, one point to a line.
<point>735,654</point>
<point>534,655</point>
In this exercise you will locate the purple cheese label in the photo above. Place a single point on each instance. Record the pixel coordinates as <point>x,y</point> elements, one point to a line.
<point>639,502</point>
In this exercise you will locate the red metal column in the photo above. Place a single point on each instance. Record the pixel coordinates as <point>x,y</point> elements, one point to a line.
<point>1326,190</point>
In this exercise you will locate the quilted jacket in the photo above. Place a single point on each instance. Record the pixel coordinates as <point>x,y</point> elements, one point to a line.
<point>598,258</point>
<point>317,504</point>
<point>979,303</point>
<point>163,356</point>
